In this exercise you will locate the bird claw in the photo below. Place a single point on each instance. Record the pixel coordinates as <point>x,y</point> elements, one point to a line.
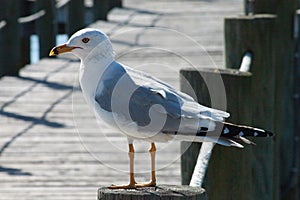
<point>133,186</point>
<point>129,186</point>
<point>149,184</point>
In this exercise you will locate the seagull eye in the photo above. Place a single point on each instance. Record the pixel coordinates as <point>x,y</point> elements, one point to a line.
<point>85,40</point>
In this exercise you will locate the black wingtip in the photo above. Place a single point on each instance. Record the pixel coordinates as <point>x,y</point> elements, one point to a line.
<point>232,130</point>
<point>263,133</point>
<point>270,134</point>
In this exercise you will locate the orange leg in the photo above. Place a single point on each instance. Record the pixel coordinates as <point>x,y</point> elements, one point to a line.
<point>132,183</point>
<point>152,182</point>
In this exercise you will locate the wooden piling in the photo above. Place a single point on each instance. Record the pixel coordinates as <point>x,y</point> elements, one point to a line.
<point>160,192</point>
<point>76,16</point>
<point>285,11</point>
<point>256,34</point>
<point>46,26</point>
<point>115,3</point>
<point>26,31</point>
<point>10,38</point>
<point>100,9</point>
<point>230,171</point>
<point>250,173</point>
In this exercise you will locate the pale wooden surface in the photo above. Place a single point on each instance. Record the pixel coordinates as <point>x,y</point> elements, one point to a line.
<point>41,154</point>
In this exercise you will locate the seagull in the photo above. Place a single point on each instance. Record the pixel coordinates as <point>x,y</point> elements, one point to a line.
<point>143,107</point>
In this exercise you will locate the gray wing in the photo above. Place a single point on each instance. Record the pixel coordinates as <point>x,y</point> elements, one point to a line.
<point>141,106</point>
<point>151,109</point>
<point>142,99</point>
<point>146,105</point>
<point>189,107</point>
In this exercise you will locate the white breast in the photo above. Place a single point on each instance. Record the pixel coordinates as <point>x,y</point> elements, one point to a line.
<point>89,77</point>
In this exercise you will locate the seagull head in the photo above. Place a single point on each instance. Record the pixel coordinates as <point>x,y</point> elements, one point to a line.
<point>82,43</point>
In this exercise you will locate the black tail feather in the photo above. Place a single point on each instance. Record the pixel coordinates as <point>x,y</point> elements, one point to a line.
<point>230,130</point>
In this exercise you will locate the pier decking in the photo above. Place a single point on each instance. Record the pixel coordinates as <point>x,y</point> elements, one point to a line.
<point>51,146</point>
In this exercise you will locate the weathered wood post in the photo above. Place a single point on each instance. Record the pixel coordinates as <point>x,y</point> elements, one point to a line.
<point>46,26</point>
<point>10,38</point>
<point>229,173</point>
<point>116,3</point>
<point>102,7</point>
<point>26,31</point>
<point>285,11</point>
<point>76,16</point>
<point>160,192</point>
<point>236,86</point>
<point>256,34</point>
<point>249,173</point>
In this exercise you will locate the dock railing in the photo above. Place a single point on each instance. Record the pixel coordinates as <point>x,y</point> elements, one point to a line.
<point>20,19</point>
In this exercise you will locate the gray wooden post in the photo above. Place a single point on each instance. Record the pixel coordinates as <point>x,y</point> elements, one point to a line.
<point>10,38</point>
<point>249,173</point>
<point>161,192</point>
<point>76,16</point>
<point>285,49</point>
<point>230,171</point>
<point>46,26</point>
<point>256,34</point>
<point>26,30</point>
<point>100,9</point>
<point>115,3</point>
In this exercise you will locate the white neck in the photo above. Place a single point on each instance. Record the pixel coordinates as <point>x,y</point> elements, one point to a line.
<point>102,54</point>
<point>92,68</point>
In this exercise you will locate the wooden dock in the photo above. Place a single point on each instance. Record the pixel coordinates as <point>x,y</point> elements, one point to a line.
<point>51,147</point>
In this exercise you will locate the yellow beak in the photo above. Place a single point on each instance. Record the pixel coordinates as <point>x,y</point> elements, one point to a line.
<point>61,49</point>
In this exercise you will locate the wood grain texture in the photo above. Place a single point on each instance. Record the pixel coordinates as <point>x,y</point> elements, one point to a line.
<point>10,55</point>
<point>230,169</point>
<point>285,48</point>
<point>250,173</point>
<point>160,192</point>
<point>256,34</point>
<point>76,16</point>
<point>46,26</point>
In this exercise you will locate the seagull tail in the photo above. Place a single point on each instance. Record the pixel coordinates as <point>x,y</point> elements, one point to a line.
<point>230,130</point>
<point>232,135</point>
<point>226,134</point>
